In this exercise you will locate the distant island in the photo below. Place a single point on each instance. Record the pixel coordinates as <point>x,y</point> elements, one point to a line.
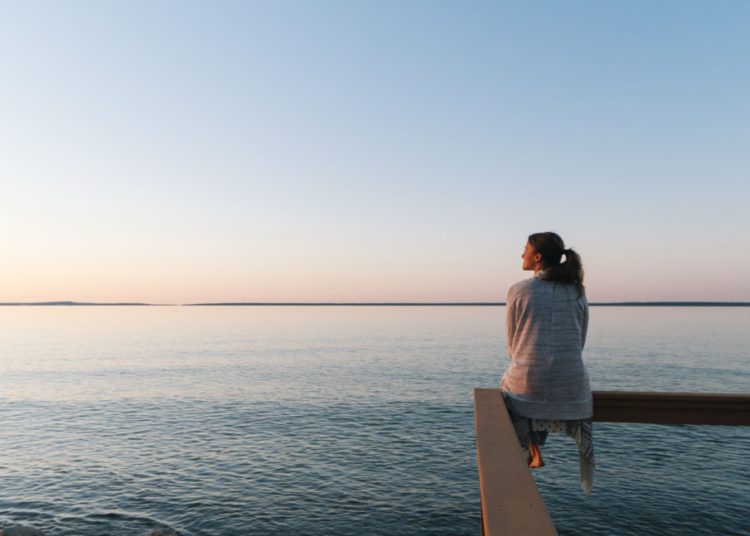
<point>63,303</point>
<point>371,304</point>
<point>471,304</point>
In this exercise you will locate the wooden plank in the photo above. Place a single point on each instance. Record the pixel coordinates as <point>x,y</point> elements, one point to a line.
<point>672,408</point>
<point>511,503</point>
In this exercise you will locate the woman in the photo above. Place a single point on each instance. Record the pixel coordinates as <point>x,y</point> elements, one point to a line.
<point>546,385</point>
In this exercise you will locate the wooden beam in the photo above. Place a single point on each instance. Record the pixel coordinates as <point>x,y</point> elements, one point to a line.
<point>511,503</point>
<point>672,408</point>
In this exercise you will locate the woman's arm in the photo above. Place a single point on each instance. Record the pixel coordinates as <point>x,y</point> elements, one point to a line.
<point>510,324</point>
<point>584,323</point>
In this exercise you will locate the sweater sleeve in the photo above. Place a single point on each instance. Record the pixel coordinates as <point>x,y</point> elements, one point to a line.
<point>584,323</point>
<point>510,324</point>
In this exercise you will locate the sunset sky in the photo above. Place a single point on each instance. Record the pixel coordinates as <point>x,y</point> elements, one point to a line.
<point>176,152</point>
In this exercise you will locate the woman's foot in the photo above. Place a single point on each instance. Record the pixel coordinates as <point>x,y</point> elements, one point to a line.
<point>535,456</point>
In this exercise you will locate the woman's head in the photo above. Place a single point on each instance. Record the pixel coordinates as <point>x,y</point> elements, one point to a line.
<point>545,251</point>
<point>549,247</point>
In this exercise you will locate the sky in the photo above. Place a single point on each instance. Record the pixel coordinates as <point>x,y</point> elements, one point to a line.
<point>181,152</point>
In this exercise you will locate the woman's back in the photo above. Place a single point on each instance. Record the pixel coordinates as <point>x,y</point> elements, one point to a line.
<point>546,324</point>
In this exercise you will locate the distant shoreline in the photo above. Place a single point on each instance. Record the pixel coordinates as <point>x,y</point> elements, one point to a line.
<point>76,304</point>
<point>466,304</point>
<point>366,304</point>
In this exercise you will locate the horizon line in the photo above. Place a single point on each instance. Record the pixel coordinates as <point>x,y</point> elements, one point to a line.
<point>654,303</point>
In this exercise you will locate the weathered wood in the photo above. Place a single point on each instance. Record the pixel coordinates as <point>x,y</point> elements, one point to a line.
<point>511,503</point>
<point>672,408</point>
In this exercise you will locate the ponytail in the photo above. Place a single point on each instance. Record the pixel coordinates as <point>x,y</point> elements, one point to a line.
<point>551,247</point>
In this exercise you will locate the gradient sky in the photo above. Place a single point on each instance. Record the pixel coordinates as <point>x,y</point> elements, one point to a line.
<point>181,151</point>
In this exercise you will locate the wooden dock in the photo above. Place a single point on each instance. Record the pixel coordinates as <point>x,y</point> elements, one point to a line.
<point>518,509</point>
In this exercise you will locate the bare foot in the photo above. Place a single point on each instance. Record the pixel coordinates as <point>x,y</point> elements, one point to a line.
<point>535,460</point>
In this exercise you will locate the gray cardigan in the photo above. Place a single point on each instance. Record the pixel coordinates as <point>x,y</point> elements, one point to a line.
<point>545,325</point>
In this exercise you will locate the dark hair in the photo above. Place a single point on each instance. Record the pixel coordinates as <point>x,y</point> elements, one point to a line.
<point>551,247</point>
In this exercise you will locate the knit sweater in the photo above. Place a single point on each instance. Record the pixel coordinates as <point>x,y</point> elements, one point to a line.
<point>546,326</point>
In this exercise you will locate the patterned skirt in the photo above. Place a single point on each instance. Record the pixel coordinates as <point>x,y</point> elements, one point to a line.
<point>532,433</point>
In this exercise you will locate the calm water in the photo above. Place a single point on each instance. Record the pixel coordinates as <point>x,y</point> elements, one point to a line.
<point>341,421</point>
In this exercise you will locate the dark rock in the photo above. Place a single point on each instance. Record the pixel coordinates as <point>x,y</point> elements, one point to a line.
<point>20,530</point>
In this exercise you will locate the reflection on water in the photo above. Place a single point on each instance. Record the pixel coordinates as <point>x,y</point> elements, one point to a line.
<point>284,420</point>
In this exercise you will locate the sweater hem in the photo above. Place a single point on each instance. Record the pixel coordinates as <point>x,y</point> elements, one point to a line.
<point>551,410</point>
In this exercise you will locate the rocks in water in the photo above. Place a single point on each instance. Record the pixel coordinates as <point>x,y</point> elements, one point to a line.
<point>160,532</point>
<point>21,530</point>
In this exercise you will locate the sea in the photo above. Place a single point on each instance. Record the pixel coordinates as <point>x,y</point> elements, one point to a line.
<point>342,420</point>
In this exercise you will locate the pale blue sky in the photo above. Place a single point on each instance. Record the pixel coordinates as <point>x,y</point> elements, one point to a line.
<point>239,151</point>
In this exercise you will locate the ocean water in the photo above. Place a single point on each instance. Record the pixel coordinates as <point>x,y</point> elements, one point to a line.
<point>341,421</point>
